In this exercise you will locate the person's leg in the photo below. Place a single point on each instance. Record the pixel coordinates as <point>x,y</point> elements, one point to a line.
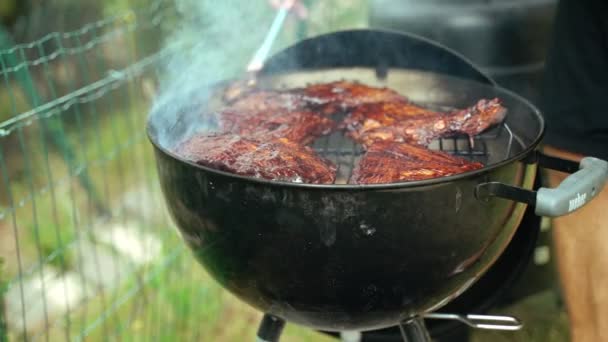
<point>581,244</point>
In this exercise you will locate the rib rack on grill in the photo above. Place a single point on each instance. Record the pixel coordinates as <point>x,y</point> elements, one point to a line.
<point>264,133</point>
<point>275,160</point>
<point>389,162</point>
<point>406,122</point>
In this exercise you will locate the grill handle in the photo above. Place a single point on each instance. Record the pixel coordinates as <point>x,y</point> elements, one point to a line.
<point>575,191</point>
<point>587,179</point>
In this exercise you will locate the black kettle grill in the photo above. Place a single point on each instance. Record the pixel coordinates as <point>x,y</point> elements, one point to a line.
<point>370,257</point>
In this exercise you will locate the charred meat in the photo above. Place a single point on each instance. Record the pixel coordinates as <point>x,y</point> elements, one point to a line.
<point>280,159</point>
<point>415,125</point>
<point>370,116</point>
<point>389,162</point>
<point>326,98</point>
<point>300,127</point>
<point>343,95</point>
<point>263,115</point>
<point>264,133</point>
<point>300,114</point>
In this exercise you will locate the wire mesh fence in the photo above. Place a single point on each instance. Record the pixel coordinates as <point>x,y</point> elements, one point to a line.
<point>78,217</point>
<point>87,251</point>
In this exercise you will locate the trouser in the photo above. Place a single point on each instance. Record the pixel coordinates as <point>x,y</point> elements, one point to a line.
<point>581,251</point>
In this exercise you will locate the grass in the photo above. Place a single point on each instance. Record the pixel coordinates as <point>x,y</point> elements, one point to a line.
<point>45,213</point>
<point>174,300</point>
<point>543,320</point>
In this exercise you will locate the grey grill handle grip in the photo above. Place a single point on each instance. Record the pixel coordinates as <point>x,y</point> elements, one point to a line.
<point>575,191</point>
<point>587,179</point>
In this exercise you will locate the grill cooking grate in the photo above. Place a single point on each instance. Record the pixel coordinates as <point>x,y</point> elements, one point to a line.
<point>488,148</point>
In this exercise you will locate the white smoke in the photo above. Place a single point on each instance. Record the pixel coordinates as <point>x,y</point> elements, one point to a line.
<point>212,41</point>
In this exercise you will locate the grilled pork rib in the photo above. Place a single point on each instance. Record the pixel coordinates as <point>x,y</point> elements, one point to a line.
<point>300,127</point>
<point>275,160</point>
<point>405,122</point>
<point>326,98</point>
<point>342,96</point>
<point>389,162</point>
<point>297,114</point>
<point>263,115</point>
<point>263,133</point>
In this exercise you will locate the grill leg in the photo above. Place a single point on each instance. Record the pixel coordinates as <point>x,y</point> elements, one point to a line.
<point>270,329</point>
<point>414,330</point>
<point>350,336</point>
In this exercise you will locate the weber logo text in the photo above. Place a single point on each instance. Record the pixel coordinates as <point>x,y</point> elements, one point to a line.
<point>577,202</point>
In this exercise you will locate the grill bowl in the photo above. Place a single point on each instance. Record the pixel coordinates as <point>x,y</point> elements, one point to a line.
<point>354,257</point>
